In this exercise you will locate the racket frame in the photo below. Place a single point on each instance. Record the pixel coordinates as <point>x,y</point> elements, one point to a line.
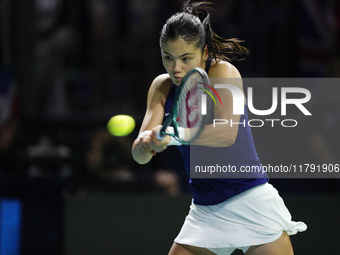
<point>171,118</point>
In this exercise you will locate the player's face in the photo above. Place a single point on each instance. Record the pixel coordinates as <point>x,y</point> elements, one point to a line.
<point>180,57</point>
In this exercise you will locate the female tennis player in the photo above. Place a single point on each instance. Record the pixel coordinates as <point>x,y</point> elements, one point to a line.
<point>229,213</point>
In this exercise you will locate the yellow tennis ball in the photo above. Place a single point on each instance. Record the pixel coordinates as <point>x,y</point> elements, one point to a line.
<point>121,125</point>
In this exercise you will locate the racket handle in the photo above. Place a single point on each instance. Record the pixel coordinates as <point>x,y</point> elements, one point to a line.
<point>169,130</point>
<point>159,136</point>
<point>173,141</point>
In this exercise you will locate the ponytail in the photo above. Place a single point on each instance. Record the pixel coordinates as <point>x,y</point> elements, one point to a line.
<point>218,47</point>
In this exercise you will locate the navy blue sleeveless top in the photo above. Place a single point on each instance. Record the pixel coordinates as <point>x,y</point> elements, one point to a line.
<point>211,191</point>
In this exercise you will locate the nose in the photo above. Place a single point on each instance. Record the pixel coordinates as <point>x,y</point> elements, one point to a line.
<point>177,66</point>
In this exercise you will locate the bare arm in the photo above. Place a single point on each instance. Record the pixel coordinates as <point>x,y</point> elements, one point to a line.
<point>146,145</point>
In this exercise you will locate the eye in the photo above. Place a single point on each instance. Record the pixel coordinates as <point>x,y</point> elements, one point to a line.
<point>167,57</point>
<point>186,59</point>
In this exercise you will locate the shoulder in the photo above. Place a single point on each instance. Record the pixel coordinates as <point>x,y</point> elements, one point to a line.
<point>223,69</point>
<point>160,88</point>
<point>226,71</point>
<point>161,83</point>
<point>161,80</point>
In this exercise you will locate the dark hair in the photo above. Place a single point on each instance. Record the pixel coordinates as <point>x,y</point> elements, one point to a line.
<point>193,25</point>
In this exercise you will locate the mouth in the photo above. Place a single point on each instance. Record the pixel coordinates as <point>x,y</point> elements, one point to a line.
<point>178,79</point>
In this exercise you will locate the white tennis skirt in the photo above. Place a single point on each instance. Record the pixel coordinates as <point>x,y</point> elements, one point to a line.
<point>254,217</point>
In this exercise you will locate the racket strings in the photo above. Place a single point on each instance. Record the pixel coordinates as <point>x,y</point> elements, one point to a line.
<point>189,108</point>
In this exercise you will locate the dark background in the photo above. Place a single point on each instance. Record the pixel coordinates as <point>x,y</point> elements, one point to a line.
<point>66,67</point>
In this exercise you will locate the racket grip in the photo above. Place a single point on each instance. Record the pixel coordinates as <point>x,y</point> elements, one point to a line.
<point>159,136</point>
<point>173,141</point>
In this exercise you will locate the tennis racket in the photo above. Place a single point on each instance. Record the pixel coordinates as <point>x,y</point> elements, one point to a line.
<point>186,119</point>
